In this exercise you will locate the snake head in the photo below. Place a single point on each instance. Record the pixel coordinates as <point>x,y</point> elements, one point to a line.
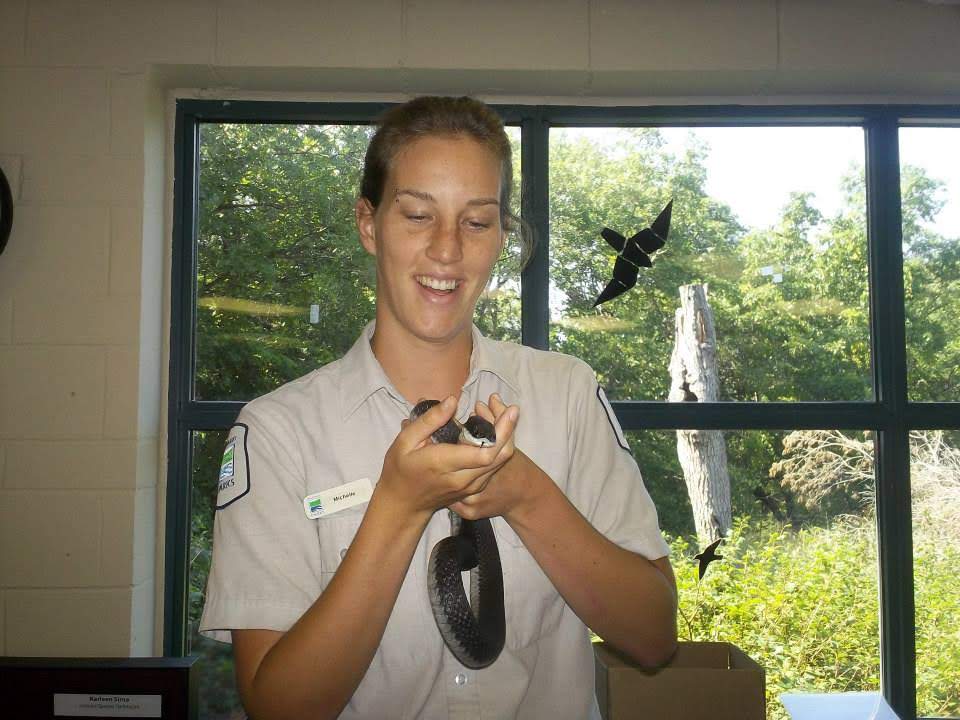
<point>479,432</point>
<point>475,431</point>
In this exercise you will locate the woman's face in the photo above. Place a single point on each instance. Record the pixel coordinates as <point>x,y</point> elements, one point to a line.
<point>435,235</point>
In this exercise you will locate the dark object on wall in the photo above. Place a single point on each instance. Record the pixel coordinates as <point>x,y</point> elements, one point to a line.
<point>163,687</point>
<point>633,254</point>
<point>6,210</point>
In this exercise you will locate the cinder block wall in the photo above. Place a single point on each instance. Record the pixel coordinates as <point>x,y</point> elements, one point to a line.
<point>86,91</point>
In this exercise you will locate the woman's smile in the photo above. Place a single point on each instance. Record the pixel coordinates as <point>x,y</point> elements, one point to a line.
<point>438,285</point>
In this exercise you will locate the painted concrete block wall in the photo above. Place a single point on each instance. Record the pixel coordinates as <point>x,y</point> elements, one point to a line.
<point>85,98</point>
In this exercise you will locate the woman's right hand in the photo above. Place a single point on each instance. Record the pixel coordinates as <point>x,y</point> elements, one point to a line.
<point>420,476</point>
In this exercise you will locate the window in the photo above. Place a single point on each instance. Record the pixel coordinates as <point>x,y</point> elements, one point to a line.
<point>792,219</point>
<point>930,187</point>
<point>782,253</point>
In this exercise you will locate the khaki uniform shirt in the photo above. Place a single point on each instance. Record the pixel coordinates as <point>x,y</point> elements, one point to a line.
<point>333,426</point>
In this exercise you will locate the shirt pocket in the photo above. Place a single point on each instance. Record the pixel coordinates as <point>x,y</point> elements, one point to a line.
<point>335,533</point>
<point>532,605</point>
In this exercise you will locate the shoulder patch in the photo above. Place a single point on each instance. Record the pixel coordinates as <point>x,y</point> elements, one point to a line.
<point>234,481</point>
<point>612,419</point>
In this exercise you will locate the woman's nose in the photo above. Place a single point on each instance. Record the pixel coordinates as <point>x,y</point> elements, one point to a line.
<point>446,245</point>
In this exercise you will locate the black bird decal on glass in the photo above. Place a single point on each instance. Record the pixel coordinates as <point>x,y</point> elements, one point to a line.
<point>633,254</point>
<point>708,556</point>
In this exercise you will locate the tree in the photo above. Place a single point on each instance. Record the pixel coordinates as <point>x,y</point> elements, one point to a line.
<point>702,453</point>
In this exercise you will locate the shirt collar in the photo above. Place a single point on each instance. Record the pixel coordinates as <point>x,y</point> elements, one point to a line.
<point>361,374</point>
<point>487,357</point>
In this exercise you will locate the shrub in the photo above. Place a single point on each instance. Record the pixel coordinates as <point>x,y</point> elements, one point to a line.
<point>804,605</point>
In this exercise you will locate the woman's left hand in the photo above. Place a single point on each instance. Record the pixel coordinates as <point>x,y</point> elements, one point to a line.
<point>511,487</point>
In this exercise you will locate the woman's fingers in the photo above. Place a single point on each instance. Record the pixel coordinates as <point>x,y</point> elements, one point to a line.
<point>497,405</point>
<point>483,410</point>
<point>450,472</point>
<point>506,421</point>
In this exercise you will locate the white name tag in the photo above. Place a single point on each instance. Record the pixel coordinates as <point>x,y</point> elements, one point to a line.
<point>338,498</point>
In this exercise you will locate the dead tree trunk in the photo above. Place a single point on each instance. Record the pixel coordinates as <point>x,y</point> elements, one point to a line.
<point>693,377</point>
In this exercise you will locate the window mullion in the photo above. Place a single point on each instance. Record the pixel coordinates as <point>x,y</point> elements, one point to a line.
<point>535,211</point>
<point>182,340</point>
<point>887,317</point>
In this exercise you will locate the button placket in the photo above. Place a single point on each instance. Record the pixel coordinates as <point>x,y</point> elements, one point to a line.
<point>462,690</point>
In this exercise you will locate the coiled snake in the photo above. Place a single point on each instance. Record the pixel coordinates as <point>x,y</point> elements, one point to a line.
<point>474,630</point>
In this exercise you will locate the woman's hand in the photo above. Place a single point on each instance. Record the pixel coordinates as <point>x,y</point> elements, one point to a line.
<point>421,476</point>
<point>510,487</point>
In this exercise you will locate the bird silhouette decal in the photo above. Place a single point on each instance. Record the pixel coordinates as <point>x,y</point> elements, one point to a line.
<point>633,254</point>
<point>708,556</point>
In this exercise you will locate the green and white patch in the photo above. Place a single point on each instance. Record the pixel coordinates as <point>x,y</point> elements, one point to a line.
<point>226,469</point>
<point>234,480</point>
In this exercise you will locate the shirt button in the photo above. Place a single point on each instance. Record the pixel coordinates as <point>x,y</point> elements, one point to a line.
<point>460,679</point>
<point>343,553</point>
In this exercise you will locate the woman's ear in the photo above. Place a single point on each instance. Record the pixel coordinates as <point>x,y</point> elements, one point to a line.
<point>364,213</point>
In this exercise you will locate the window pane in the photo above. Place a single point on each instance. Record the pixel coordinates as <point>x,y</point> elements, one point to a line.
<point>772,219</point>
<point>930,191</point>
<point>218,694</point>
<point>498,310</point>
<point>797,586</point>
<point>935,484</point>
<point>283,284</point>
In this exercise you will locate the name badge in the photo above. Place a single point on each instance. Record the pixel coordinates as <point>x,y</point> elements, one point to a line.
<point>338,498</point>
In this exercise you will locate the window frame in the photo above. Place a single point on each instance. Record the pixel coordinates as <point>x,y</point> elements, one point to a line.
<point>891,415</point>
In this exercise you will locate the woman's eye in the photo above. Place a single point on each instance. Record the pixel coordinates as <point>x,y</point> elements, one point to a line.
<point>416,218</point>
<point>478,225</point>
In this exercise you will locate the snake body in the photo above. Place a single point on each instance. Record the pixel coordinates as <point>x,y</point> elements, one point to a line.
<point>473,629</point>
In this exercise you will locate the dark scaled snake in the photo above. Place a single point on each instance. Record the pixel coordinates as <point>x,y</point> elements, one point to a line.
<point>473,629</point>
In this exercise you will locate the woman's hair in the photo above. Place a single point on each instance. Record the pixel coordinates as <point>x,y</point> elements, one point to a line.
<point>436,115</point>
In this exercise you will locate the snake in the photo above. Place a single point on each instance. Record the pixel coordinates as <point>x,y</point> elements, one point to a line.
<point>474,629</point>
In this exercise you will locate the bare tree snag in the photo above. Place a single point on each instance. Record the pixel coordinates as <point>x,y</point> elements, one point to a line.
<point>693,378</point>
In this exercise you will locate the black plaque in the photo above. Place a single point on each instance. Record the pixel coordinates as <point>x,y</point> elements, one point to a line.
<point>104,688</point>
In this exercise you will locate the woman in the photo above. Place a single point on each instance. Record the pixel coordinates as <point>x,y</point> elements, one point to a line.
<point>329,614</point>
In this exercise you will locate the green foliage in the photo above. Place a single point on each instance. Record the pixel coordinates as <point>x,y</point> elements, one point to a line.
<point>937,594</point>
<point>276,235</point>
<point>803,604</point>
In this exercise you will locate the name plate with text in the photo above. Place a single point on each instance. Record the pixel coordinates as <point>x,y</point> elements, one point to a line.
<point>164,688</point>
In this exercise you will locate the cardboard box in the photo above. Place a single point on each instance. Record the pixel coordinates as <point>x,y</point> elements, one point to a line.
<point>703,681</point>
